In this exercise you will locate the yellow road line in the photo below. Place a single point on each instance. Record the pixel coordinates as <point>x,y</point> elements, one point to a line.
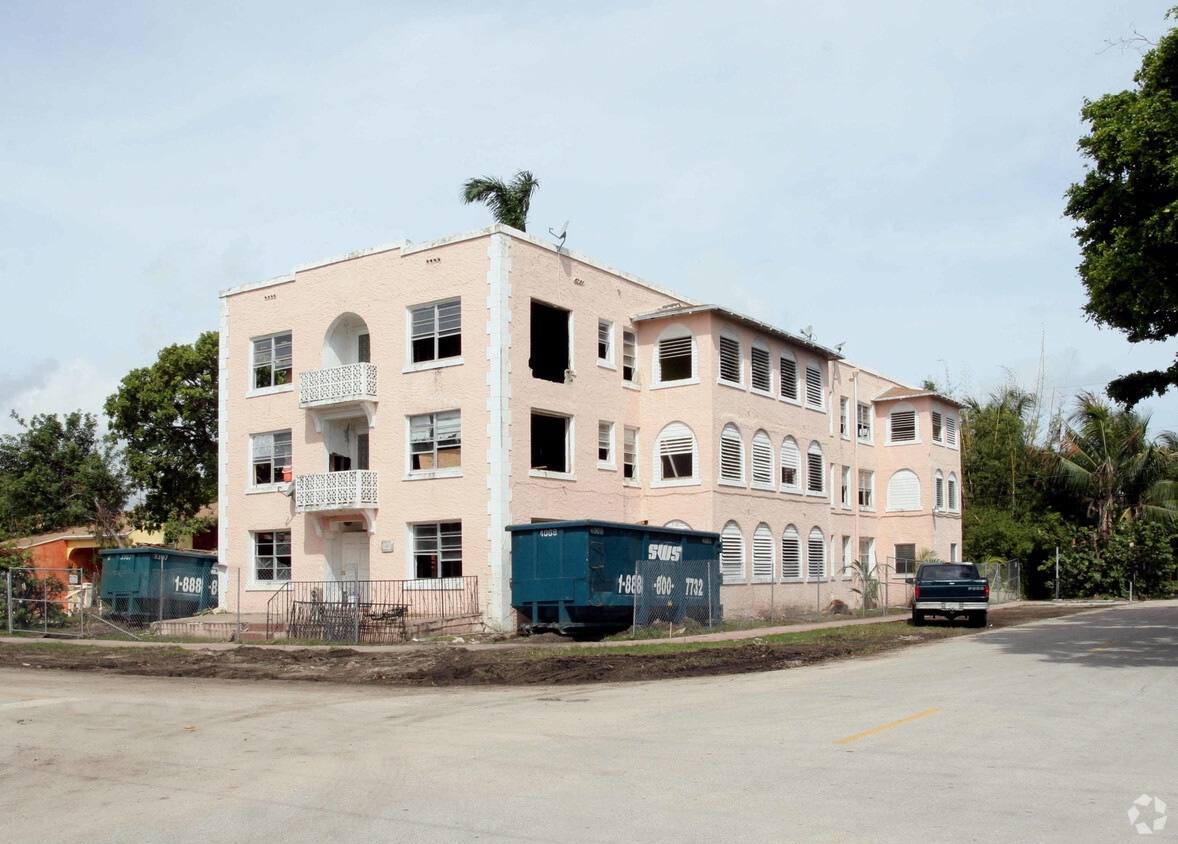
<point>887,726</point>
<point>1102,647</point>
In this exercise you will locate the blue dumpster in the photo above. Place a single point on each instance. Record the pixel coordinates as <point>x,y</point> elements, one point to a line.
<point>567,576</point>
<point>151,583</point>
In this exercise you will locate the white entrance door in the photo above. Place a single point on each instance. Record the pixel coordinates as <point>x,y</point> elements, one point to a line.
<point>355,556</point>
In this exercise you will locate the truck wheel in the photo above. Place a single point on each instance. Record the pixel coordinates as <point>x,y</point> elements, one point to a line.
<point>980,619</point>
<point>918,618</point>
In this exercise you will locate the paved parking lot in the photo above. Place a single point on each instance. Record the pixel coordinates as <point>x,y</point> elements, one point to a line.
<point>1047,732</point>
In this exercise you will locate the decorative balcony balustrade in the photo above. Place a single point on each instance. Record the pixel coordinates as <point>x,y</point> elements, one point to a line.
<point>355,382</point>
<point>340,491</point>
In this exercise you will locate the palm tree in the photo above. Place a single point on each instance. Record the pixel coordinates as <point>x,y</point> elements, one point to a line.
<point>1106,458</point>
<point>508,202</point>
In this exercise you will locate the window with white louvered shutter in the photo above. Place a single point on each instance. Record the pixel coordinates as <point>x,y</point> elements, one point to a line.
<point>763,553</point>
<point>789,378</point>
<point>902,426</point>
<point>762,369</point>
<point>675,453</point>
<point>903,491</point>
<point>791,554</point>
<point>815,469</point>
<point>815,555</point>
<point>791,466</point>
<point>952,487</point>
<point>730,360</point>
<point>939,491</point>
<point>731,455</point>
<point>762,461</point>
<point>938,428</point>
<point>732,554</point>
<point>675,359</point>
<point>814,397</point>
<point>950,432</point>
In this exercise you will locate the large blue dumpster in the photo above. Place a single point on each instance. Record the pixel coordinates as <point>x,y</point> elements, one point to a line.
<point>152,583</point>
<point>575,575</point>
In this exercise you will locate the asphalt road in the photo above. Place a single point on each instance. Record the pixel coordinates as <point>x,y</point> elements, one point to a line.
<point>1046,732</point>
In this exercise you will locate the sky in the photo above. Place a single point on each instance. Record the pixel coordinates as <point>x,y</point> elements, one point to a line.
<point>891,174</point>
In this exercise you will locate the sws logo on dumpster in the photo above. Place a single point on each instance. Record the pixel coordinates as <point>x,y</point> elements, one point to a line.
<point>665,552</point>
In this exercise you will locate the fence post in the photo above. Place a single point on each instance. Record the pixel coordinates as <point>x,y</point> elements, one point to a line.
<point>159,630</point>
<point>356,598</point>
<point>237,636</point>
<point>8,602</point>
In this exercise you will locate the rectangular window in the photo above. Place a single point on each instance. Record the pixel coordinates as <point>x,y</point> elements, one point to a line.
<point>938,430</point>
<point>866,482</point>
<point>867,552</point>
<point>548,357</point>
<point>953,552</point>
<point>271,457</point>
<point>791,555</point>
<point>939,492</point>
<point>730,360</point>
<point>364,348</point>
<point>605,443</point>
<point>272,361</point>
<point>789,379</point>
<point>951,431</point>
<point>762,370</point>
<point>550,443</point>
<point>845,495</point>
<point>437,550</point>
<point>848,560</point>
<point>435,441</point>
<point>952,486</point>
<point>863,420</point>
<point>815,472</point>
<point>436,331</point>
<point>605,341</point>
<point>272,555</point>
<point>630,454</point>
<point>629,356</point>
<point>906,558</point>
<point>675,359</point>
<point>814,387</point>
<point>845,417</point>
<point>903,424</point>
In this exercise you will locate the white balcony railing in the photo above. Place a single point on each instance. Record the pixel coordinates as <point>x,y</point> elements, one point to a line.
<point>355,382</point>
<point>336,491</point>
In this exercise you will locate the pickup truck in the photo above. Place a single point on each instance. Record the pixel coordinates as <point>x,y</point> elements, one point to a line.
<point>950,590</point>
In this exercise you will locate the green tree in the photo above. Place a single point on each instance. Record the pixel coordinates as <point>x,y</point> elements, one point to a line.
<point>509,202</point>
<point>1127,210</point>
<point>57,473</point>
<point>167,415</point>
<point>1106,459</point>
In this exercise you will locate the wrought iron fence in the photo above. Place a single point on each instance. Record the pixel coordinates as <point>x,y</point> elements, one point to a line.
<point>373,611</point>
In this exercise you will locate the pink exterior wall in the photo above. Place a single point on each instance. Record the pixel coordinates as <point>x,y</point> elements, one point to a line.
<point>497,273</point>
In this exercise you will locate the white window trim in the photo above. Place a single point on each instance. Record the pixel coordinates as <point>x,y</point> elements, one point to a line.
<point>825,491</point>
<point>428,474</point>
<point>753,576</point>
<point>774,464</point>
<point>825,556</point>
<point>656,474</point>
<point>800,578</point>
<point>932,428</point>
<point>674,332</point>
<point>744,562</point>
<point>762,346</point>
<point>804,394</point>
<point>799,381</point>
<point>410,365</point>
<point>904,408</point>
<point>252,583</point>
<point>608,362</point>
<point>432,364</point>
<point>635,481</point>
<point>570,453</point>
<point>422,583</point>
<point>851,422</point>
<point>956,444</point>
<point>730,334</point>
<point>251,389</point>
<point>610,465</point>
<point>798,488</point>
<point>740,458</point>
<point>848,558</point>
<point>273,486</point>
<point>869,508</point>
<point>870,438</point>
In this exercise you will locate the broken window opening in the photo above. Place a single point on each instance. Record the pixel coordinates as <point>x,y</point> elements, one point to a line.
<point>549,359</point>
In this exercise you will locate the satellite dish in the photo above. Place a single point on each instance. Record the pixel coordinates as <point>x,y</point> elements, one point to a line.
<point>808,332</point>
<point>562,234</point>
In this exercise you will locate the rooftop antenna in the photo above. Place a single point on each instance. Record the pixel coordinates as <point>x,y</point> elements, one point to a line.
<point>562,234</point>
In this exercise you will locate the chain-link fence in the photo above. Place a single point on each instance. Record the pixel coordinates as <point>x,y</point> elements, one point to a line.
<point>45,601</point>
<point>684,594</point>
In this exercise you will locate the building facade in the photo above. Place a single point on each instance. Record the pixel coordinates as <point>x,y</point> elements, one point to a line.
<point>386,414</point>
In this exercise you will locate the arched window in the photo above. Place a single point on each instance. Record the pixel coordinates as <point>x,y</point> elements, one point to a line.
<point>762,461</point>
<point>346,342</point>
<point>674,355</point>
<point>938,491</point>
<point>952,492</point>
<point>732,553</point>
<point>815,386</point>
<point>678,524</point>
<point>903,491</point>
<point>903,425</point>
<point>815,470</point>
<point>676,456</point>
<point>789,376</point>
<point>761,367</point>
<point>731,455</point>
<point>763,553</point>
<point>815,555</point>
<point>791,466</point>
<point>731,366</point>
<point>791,554</point>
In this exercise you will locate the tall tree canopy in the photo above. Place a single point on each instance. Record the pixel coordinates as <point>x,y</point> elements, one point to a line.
<point>509,202</point>
<point>56,473</point>
<point>1108,460</point>
<point>167,415</point>
<point>1127,210</point>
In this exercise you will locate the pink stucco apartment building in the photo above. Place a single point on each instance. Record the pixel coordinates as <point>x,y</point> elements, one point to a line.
<point>386,414</point>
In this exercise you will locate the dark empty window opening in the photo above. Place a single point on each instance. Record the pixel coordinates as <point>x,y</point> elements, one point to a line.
<point>549,358</point>
<point>550,443</point>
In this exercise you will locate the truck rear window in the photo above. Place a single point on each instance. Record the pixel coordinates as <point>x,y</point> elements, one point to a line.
<point>948,572</point>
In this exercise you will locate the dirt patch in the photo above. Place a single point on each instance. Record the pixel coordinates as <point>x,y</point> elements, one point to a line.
<point>449,665</point>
